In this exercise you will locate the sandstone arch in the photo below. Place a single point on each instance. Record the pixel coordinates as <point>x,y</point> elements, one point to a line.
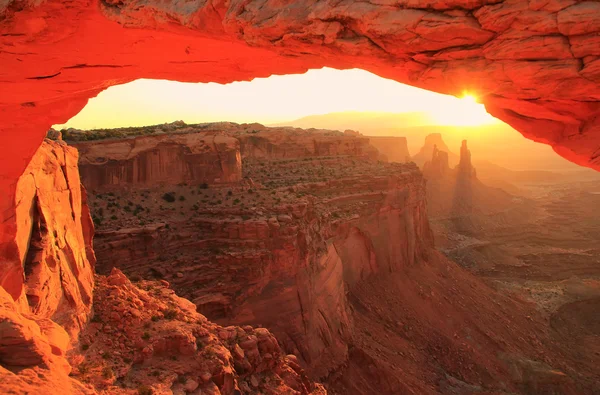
<point>535,63</point>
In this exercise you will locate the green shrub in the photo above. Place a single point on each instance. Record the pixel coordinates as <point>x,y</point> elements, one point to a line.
<point>145,390</point>
<point>107,372</point>
<point>170,313</point>
<point>169,197</point>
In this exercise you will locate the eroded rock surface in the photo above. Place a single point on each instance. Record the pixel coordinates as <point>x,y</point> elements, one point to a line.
<point>46,274</point>
<point>46,253</point>
<point>160,159</point>
<point>315,215</point>
<point>334,255</point>
<point>144,337</point>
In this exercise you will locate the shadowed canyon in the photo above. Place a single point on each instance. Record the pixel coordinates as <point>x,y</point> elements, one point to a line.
<point>237,258</point>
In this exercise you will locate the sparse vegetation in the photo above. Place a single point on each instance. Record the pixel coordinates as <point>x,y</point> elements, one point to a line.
<point>107,372</point>
<point>170,313</point>
<point>169,197</point>
<point>145,390</point>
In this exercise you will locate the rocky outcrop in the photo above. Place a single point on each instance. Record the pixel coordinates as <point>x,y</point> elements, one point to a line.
<point>465,167</point>
<point>48,342</point>
<point>534,64</point>
<point>144,337</point>
<point>169,159</point>
<point>33,353</point>
<point>288,266</point>
<point>280,143</point>
<point>457,192</point>
<point>48,261</point>
<point>395,149</point>
<point>425,154</point>
<point>438,166</point>
<point>46,273</point>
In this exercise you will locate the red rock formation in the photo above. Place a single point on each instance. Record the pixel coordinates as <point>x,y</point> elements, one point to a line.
<point>195,158</point>
<point>425,154</point>
<point>458,191</point>
<point>535,64</point>
<point>47,274</point>
<point>438,166</point>
<point>334,255</point>
<point>395,149</point>
<point>286,267</point>
<point>145,336</point>
<point>149,340</point>
<point>47,256</point>
<point>281,142</point>
<point>465,167</point>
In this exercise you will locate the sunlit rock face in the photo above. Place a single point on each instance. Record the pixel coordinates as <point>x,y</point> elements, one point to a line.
<point>47,250</point>
<point>327,215</point>
<point>535,64</point>
<point>46,274</point>
<point>163,159</point>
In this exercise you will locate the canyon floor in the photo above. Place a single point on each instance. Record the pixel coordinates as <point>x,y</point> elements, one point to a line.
<point>544,249</point>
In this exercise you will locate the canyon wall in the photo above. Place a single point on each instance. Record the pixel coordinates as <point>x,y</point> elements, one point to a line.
<point>289,265</point>
<point>160,159</point>
<point>48,257</point>
<point>47,274</point>
<point>280,143</point>
<point>59,336</point>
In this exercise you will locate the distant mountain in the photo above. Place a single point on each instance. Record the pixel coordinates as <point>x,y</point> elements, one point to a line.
<point>497,143</point>
<point>434,140</point>
<point>366,122</point>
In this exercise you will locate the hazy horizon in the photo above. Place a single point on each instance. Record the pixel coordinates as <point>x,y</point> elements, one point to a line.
<point>322,98</point>
<point>276,99</point>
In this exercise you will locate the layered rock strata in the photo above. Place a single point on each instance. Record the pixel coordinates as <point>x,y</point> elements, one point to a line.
<point>334,255</point>
<point>261,142</point>
<point>48,343</point>
<point>287,255</point>
<point>46,273</point>
<point>160,159</point>
<point>47,256</point>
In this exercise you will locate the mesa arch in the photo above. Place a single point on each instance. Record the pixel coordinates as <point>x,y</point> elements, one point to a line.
<point>534,63</point>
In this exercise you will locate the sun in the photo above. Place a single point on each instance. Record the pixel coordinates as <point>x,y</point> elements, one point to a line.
<point>469,98</point>
<point>463,111</point>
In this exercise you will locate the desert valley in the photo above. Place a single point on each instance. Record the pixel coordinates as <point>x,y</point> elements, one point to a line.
<point>365,273</point>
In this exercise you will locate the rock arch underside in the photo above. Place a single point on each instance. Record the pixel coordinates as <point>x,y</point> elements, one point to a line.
<point>535,64</point>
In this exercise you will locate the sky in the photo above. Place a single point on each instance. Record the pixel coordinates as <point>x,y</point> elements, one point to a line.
<point>271,100</point>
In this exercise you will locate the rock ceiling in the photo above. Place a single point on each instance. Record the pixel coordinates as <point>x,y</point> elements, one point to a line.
<point>535,64</point>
